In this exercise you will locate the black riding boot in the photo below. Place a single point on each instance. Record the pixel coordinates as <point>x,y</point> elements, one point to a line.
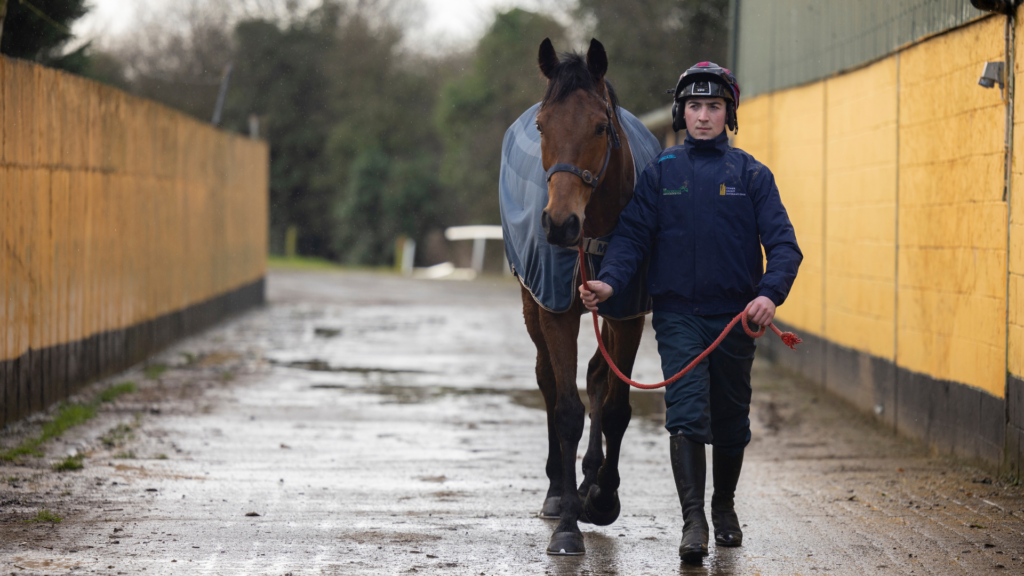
<point>690,471</point>
<point>725,470</point>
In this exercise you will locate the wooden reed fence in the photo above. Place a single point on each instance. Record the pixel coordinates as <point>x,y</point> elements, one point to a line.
<point>124,225</point>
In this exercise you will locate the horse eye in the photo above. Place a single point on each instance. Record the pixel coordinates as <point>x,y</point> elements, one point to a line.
<point>538,128</point>
<point>601,129</point>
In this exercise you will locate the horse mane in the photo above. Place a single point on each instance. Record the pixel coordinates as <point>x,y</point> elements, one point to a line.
<point>572,74</point>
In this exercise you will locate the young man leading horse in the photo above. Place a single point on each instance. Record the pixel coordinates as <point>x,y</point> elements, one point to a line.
<point>702,212</point>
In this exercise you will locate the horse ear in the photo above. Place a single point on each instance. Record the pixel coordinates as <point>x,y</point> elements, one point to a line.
<point>597,59</point>
<point>546,58</point>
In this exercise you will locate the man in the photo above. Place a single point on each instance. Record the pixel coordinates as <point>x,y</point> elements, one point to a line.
<point>702,211</point>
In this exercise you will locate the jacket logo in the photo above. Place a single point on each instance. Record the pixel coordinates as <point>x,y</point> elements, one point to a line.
<point>724,190</point>
<point>676,192</point>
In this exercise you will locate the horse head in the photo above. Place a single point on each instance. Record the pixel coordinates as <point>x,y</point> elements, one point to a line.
<point>577,125</point>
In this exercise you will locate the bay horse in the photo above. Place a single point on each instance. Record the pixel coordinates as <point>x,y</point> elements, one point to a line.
<point>581,137</point>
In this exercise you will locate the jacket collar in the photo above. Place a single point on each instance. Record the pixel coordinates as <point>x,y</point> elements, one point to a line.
<point>720,144</point>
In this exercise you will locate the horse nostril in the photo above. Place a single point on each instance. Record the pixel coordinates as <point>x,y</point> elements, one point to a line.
<point>571,227</point>
<point>545,222</point>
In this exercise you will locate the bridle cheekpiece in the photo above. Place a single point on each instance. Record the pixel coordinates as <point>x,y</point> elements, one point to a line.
<point>587,176</point>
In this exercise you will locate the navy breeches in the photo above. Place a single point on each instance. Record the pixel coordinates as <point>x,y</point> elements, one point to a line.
<point>711,404</point>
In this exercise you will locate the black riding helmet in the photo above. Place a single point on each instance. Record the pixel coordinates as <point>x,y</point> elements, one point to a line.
<point>707,80</point>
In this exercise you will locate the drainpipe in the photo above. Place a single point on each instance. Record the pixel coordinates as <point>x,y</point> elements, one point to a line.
<point>1009,93</point>
<point>1009,8</point>
<point>734,33</point>
<point>1008,191</point>
<point>225,79</point>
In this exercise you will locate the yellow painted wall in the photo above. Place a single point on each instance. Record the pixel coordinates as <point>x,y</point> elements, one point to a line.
<point>860,216</point>
<point>893,177</point>
<point>754,134</point>
<point>1015,284</point>
<point>785,131</point>
<point>796,156</point>
<point>951,319</point>
<point>115,210</point>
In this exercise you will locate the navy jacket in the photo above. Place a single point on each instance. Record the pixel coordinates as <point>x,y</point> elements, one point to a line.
<point>702,210</point>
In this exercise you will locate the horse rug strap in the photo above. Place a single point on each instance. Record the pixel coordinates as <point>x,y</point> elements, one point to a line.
<point>594,246</point>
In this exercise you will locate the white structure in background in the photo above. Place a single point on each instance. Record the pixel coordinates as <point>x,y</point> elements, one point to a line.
<point>479,234</point>
<point>408,255</point>
<point>444,271</point>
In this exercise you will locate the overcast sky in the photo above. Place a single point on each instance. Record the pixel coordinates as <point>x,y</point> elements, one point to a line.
<point>454,22</point>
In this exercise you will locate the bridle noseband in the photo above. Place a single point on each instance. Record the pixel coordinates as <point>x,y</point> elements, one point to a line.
<point>586,175</point>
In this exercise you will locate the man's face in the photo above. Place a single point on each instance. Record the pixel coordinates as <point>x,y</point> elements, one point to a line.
<point>705,117</point>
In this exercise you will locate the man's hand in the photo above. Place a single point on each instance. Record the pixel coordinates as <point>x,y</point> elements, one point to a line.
<point>598,292</point>
<point>761,311</point>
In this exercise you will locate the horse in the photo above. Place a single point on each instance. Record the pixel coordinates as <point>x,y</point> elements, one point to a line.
<point>590,174</point>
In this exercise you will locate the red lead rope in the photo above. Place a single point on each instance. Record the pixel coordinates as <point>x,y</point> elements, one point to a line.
<point>788,338</point>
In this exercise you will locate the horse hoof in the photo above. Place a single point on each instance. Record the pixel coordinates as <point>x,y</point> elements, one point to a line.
<point>599,516</point>
<point>566,544</point>
<point>552,508</point>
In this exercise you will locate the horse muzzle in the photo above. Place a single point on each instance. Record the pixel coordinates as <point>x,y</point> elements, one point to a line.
<point>567,234</point>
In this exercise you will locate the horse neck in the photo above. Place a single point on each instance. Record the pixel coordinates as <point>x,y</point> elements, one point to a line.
<point>615,191</point>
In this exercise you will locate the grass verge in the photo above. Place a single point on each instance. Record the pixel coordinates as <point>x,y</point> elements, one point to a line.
<point>154,371</point>
<point>117,436</point>
<point>45,515</point>
<point>68,416</point>
<point>111,393</point>
<point>313,263</point>
<point>69,463</point>
<point>302,263</point>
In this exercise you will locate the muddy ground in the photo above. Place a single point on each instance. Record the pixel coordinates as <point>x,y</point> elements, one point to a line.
<point>368,424</point>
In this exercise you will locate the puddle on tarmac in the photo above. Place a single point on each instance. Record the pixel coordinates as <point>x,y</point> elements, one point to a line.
<point>323,366</point>
<point>645,404</point>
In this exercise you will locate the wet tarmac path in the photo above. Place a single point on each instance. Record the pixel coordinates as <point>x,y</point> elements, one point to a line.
<point>368,424</point>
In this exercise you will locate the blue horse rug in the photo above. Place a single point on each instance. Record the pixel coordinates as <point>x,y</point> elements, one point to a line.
<point>549,272</point>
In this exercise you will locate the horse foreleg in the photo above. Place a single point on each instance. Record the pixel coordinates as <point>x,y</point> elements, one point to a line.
<point>553,467</point>
<point>602,501</point>
<point>597,386</point>
<point>560,333</point>
<point>546,382</point>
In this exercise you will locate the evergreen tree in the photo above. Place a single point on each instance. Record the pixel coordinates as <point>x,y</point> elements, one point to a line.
<point>475,109</point>
<point>281,76</point>
<point>651,42</point>
<point>370,140</point>
<point>39,30</point>
<point>353,154</point>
